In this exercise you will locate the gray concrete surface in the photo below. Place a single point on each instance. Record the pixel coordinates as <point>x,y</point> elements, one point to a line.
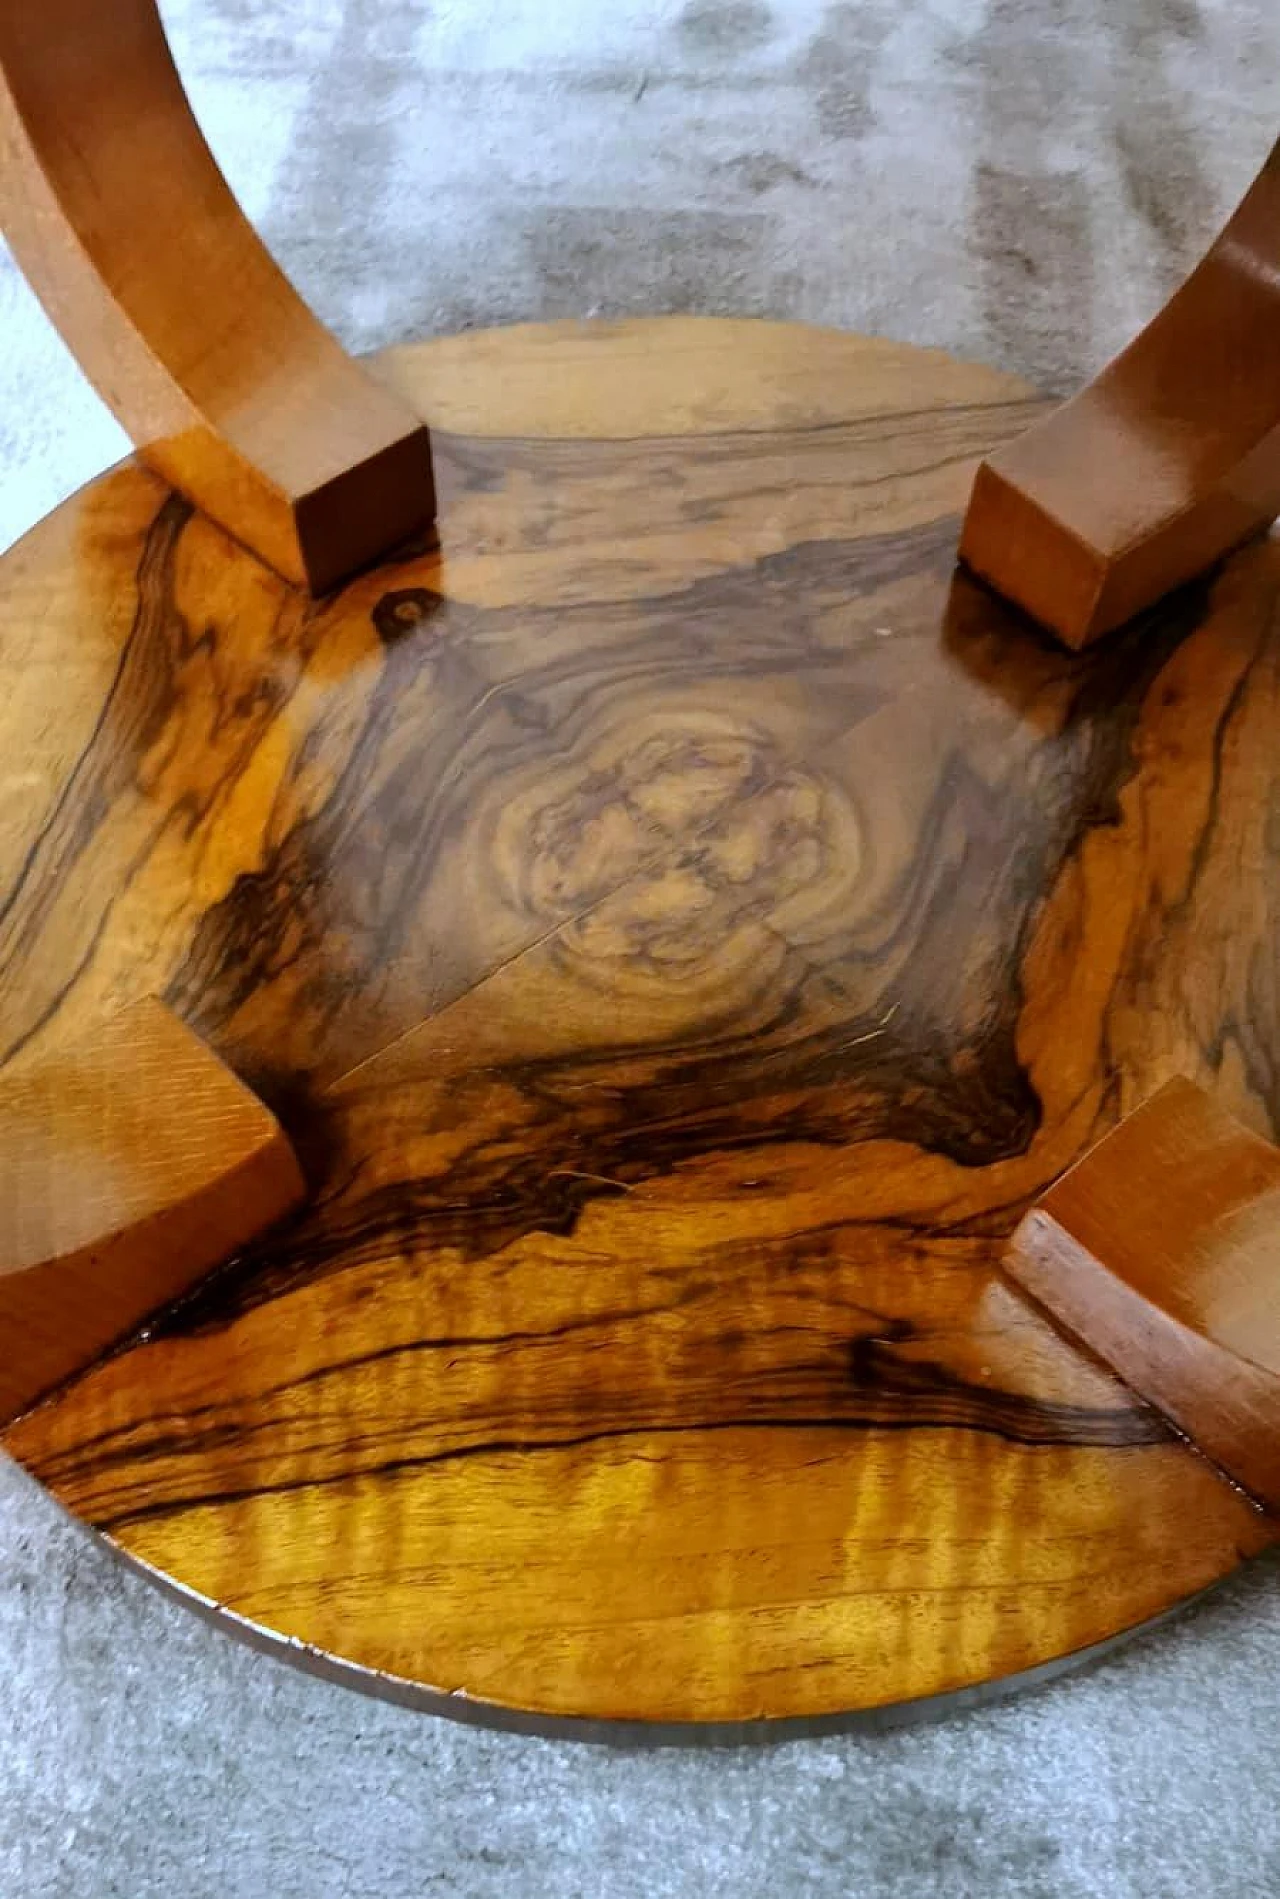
<point>1020,180</point>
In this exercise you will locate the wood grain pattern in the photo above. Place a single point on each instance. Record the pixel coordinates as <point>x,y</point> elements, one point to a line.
<point>1166,462</point>
<point>1161,1250</point>
<point>225,380</point>
<point>686,926</point>
<point>130,1164</point>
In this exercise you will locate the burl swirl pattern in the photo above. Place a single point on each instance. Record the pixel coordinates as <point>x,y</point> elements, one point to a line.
<point>683,924</point>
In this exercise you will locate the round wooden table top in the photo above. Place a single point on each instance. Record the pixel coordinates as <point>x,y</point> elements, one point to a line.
<point>682,924</point>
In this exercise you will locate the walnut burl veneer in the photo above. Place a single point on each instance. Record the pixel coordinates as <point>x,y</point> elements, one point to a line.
<point>683,927</point>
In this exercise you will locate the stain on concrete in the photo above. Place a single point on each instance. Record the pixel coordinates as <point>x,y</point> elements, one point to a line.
<point>933,1844</point>
<point>1150,29</point>
<point>612,261</point>
<point>1158,152</point>
<point>378,43</point>
<point>1031,223</point>
<point>725,26</point>
<point>839,65</point>
<point>764,171</point>
<point>1032,232</point>
<point>1166,187</point>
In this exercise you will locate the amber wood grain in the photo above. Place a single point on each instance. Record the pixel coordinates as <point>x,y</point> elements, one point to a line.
<point>226,382</point>
<point>688,927</point>
<point>1161,1250</point>
<point>130,1164</point>
<point>1170,459</point>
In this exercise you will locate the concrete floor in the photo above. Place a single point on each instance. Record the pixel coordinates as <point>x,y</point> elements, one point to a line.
<point>1020,180</point>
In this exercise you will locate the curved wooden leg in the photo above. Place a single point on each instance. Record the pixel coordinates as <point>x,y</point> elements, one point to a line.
<point>130,1164</point>
<point>1170,459</point>
<point>228,385</point>
<point>1161,1250</point>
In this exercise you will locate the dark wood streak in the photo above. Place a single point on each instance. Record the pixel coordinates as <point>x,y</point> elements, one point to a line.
<point>684,925</point>
<point>881,1386</point>
<point>1021,1423</point>
<point>137,704</point>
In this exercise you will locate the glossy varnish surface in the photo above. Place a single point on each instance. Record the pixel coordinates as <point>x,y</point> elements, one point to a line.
<point>683,926</point>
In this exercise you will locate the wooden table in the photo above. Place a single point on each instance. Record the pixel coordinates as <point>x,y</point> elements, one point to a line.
<point>682,924</point>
